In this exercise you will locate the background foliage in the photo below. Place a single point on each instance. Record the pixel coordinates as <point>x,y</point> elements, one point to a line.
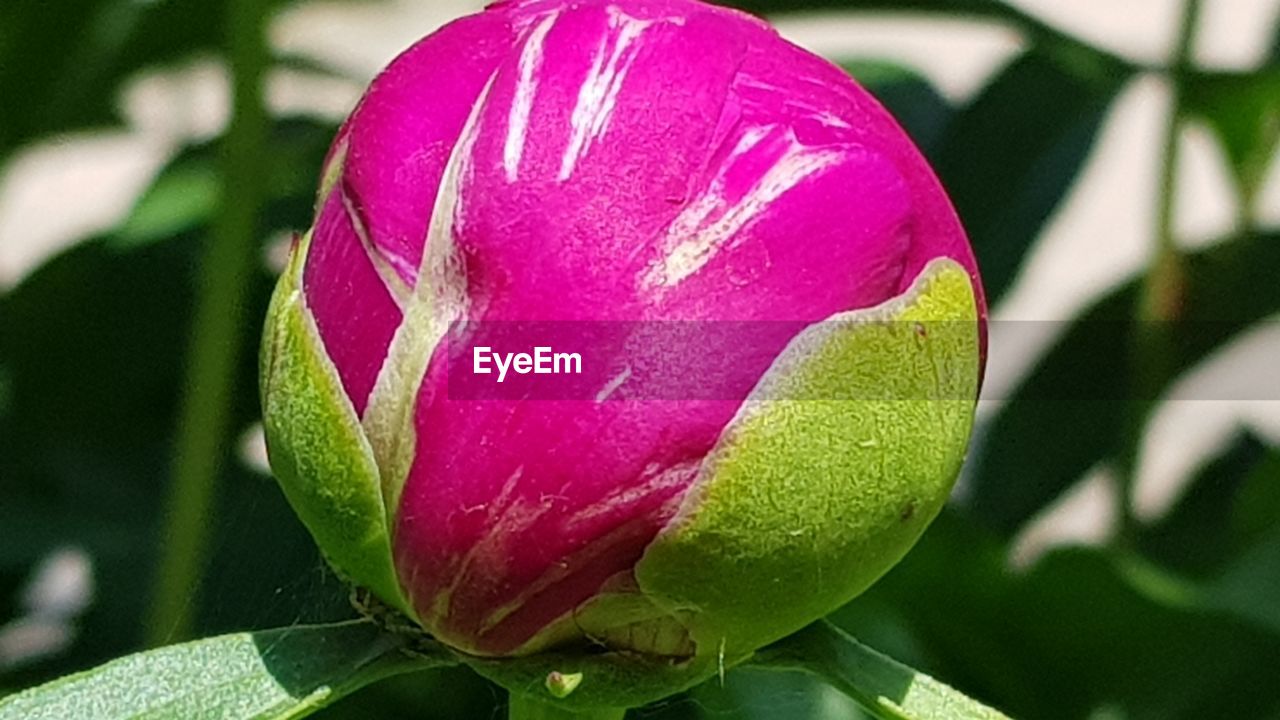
<point>1176,618</point>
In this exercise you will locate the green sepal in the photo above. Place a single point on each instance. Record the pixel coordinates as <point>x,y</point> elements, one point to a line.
<point>318,451</point>
<point>838,461</point>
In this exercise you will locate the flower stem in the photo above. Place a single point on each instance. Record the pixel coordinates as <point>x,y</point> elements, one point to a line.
<point>886,688</point>
<point>217,334</point>
<point>523,707</point>
<point>1163,291</point>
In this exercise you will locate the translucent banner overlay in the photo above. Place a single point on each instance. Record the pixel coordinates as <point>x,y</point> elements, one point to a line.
<point>726,361</point>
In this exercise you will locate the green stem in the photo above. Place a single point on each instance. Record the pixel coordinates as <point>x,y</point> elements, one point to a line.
<point>886,688</point>
<point>524,707</point>
<point>217,335</point>
<point>1163,290</point>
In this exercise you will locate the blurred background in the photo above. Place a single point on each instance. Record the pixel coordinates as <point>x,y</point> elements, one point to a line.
<point>1112,550</point>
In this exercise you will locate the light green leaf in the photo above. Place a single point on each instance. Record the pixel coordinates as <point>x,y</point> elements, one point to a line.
<point>284,673</point>
<point>1244,110</point>
<point>182,198</point>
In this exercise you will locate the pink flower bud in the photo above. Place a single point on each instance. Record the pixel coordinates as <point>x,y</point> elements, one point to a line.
<point>777,311</point>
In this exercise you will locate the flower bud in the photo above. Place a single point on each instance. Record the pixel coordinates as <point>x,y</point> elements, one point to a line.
<point>776,315</point>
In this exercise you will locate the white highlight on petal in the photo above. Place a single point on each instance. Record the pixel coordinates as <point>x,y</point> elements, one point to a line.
<point>522,104</point>
<point>439,299</point>
<point>598,95</point>
<point>612,386</point>
<point>395,286</point>
<point>654,479</point>
<point>712,222</point>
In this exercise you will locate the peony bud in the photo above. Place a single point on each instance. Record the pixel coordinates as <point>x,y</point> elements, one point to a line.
<point>776,313</point>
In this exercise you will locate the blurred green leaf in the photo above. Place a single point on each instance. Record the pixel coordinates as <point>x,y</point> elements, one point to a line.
<point>1009,158</point>
<point>63,64</point>
<point>1036,30</point>
<point>1243,109</point>
<point>1196,537</point>
<point>1067,415</point>
<point>286,673</point>
<point>1257,508</point>
<point>949,589</point>
<point>1072,634</point>
<point>1250,587</point>
<point>184,197</point>
<point>90,342</point>
<point>6,389</point>
<point>763,695</point>
<point>1086,625</point>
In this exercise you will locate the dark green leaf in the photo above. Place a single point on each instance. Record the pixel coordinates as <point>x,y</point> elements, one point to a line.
<point>63,63</point>
<point>1257,508</point>
<point>1037,31</point>
<point>1068,414</point>
<point>1009,158</point>
<point>1250,587</point>
<point>1076,633</point>
<point>1196,537</point>
<point>1244,111</point>
<point>757,694</point>
<point>91,342</point>
<point>287,673</point>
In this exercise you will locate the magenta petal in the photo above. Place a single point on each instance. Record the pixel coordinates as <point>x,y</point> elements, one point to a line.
<point>780,79</point>
<point>527,508</point>
<point>395,157</point>
<point>352,307</point>
<point>563,187</point>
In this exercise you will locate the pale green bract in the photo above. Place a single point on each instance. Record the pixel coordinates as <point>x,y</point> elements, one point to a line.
<point>837,463</point>
<point>318,451</point>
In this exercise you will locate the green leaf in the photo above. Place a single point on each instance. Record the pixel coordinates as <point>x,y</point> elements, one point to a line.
<point>1078,631</point>
<point>1196,537</point>
<point>5,389</point>
<point>65,62</point>
<point>88,343</point>
<point>1250,587</point>
<point>762,694</point>
<point>1257,507</point>
<point>1037,31</point>
<point>184,197</point>
<point>886,688</point>
<point>1008,158</point>
<point>1069,412</point>
<point>286,673</point>
<point>320,455</point>
<point>1243,109</point>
